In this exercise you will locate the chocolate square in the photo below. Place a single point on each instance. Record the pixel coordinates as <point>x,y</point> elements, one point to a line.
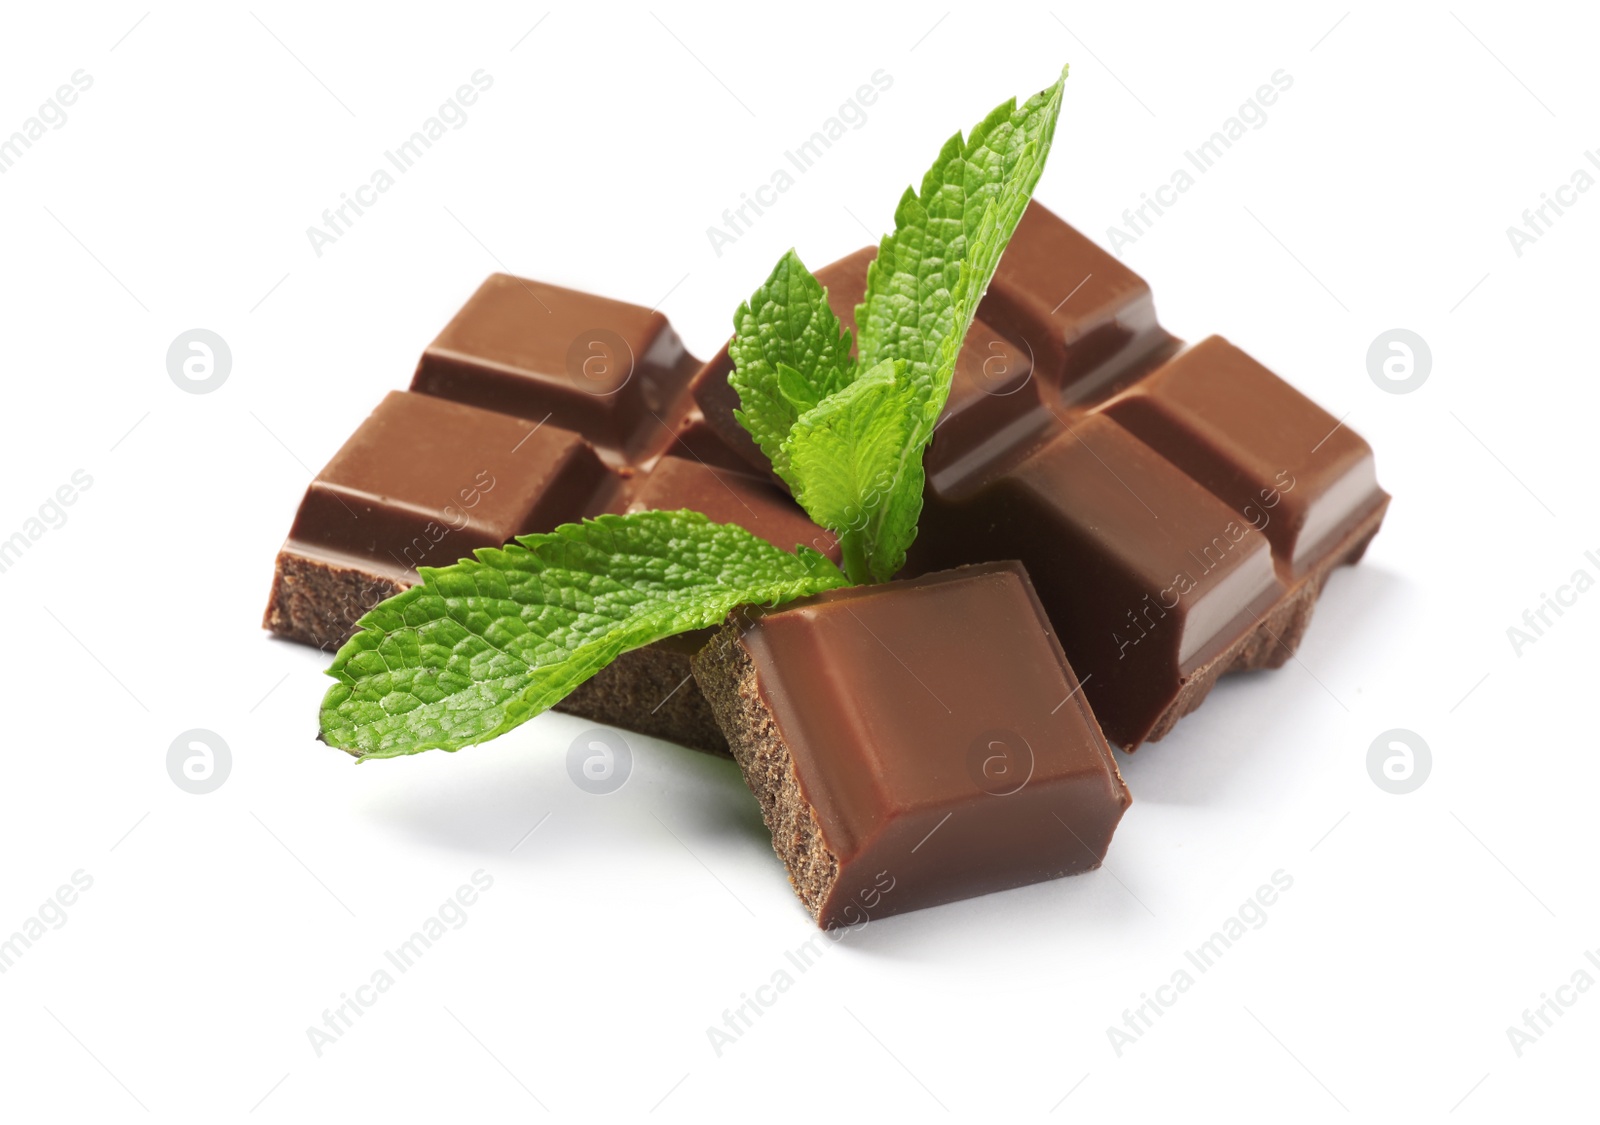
<point>606,369</point>
<point>914,743</point>
<point>422,482</point>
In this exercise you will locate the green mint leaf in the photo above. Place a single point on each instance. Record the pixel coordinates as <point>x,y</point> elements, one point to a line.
<point>845,455</point>
<point>789,353</point>
<point>482,646</point>
<point>924,286</point>
<point>830,425</point>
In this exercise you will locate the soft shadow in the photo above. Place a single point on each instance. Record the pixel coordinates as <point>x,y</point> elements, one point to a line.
<point>1248,723</point>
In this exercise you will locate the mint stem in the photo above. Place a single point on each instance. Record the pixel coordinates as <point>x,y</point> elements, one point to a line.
<point>855,552</point>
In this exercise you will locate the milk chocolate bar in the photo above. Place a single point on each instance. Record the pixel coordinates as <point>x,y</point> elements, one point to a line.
<point>915,742</point>
<point>1178,509</point>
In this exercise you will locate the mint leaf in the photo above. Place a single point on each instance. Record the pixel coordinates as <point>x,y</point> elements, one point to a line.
<point>845,454</point>
<point>789,352</point>
<point>482,646</point>
<point>924,286</point>
<point>801,401</point>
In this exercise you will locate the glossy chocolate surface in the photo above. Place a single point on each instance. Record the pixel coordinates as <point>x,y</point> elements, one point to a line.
<point>606,369</point>
<point>939,736</point>
<point>424,482</point>
<point>726,496</point>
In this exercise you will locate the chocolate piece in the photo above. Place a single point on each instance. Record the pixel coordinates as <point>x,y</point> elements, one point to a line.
<point>1267,451</point>
<point>914,743</point>
<point>1088,321</point>
<point>726,496</point>
<point>1178,510</point>
<point>651,690</point>
<point>608,370</point>
<point>1146,575</point>
<point>422,482</point>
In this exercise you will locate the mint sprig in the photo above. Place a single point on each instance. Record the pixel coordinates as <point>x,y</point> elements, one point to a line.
<point>806,410</point>
<point>482,646</point>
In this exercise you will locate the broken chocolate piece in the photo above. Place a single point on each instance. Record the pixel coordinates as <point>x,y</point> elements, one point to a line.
<point>606,369</point>
<point>914,743</point>
<point>422,482</point>
<point>725,496</point>
<point>1274,456</point>
<point>651,690</point>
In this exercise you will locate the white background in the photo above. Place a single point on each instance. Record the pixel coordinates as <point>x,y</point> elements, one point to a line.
<point>219,927</point>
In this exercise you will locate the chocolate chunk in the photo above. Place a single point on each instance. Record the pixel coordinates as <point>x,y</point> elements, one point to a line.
<point>726,496</point>
<point>1087,320</point>
<point>1146,575</point>
<point>608,370</point>
<point>1285,464</point>
<point>651,690</point>
<point>422,482</point>
<point>914,743</point>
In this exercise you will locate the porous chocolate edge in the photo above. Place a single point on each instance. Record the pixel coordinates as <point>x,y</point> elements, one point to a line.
<point>727,679</point>
<point>1275,637</point>
<point>650,690</point>
<point>318,603</point>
